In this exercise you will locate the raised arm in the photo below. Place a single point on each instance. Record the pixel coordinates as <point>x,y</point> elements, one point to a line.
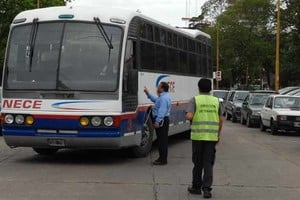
<point>150,96</point>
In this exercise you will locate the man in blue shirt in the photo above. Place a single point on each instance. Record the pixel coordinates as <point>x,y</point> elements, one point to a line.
<point>160,116</point>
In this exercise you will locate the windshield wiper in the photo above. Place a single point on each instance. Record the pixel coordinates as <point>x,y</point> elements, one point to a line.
<point>103,33</point>
<point>33,34</point>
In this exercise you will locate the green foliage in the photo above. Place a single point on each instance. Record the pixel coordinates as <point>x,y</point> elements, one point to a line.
<point>290,43</point>
<point>9,9</point>
<point>247,40</point>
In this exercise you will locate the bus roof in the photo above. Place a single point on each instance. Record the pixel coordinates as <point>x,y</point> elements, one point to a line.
<point>87,13</point>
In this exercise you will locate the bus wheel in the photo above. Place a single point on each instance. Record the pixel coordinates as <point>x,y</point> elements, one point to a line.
<point>44,151</point>
<point>146,142</point>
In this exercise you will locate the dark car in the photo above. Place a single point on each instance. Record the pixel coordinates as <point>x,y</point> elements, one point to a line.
<point>252,105</point>
<point>234,105</point>
<point>222,95</point>
<point>225,101</point>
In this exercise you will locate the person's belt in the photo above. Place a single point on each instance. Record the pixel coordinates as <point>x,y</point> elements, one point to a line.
<point>162,122</point>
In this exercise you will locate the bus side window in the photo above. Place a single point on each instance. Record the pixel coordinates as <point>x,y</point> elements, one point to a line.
<point>129,64</point>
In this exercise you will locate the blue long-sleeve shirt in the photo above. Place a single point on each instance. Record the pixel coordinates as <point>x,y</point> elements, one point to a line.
<point>162,106</point>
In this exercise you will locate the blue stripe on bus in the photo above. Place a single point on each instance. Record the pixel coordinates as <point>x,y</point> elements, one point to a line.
<point>127,125</point>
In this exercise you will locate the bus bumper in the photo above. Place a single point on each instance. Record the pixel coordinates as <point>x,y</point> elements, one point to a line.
<point>62,142</point>
<point>73,143</point>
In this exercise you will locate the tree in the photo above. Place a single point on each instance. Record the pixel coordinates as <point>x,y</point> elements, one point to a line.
<point>246,40</point>
<point>213,8</point>
<point>290,43</point>
<point>9,9</point>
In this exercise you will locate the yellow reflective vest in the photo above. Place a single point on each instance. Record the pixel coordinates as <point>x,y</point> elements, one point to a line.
<point>205,124</point>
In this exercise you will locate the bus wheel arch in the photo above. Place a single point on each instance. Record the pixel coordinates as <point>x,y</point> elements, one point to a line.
<point>146,140</point>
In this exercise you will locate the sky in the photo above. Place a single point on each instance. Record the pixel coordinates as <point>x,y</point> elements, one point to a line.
<point>167,11</point>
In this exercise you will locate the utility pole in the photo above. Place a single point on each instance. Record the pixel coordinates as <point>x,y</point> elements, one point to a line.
<point>38,3</point>
<point>277,62</point>
<point>218,53</point>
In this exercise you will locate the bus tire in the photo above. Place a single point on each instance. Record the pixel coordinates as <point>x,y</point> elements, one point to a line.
<point>45,151</point>
<point>146,141</point>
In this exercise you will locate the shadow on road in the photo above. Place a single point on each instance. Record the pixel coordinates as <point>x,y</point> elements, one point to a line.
<point>286,133</point>
<point>95,157</point>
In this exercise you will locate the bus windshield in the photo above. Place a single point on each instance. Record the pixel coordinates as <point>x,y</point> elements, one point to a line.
<point>63,56</point>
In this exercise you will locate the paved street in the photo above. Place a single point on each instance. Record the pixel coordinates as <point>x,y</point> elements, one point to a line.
<point>250,165</point>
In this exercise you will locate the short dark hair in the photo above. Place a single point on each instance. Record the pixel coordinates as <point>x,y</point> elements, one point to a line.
<point>204,85</point>
<point>165,86</point>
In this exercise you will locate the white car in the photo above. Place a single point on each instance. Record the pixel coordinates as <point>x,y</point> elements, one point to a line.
<point>281,112</point>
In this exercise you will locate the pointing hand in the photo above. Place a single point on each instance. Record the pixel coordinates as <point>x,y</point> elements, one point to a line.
<point>146,90</point>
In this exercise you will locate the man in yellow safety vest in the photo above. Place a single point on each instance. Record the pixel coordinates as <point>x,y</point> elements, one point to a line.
<point>206,124</point>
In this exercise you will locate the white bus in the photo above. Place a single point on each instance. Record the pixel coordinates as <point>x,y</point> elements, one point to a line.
<point>74,78</point>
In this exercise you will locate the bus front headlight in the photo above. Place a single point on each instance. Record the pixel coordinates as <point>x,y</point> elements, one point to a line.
<point>9,119</point>
<point>19,119</point>
<point>96,121</point>
<point>108,121</point>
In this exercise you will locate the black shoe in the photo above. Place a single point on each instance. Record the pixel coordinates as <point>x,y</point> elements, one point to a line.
<point>159,162</point>
<point>207,194</point>
<point>193,190</point>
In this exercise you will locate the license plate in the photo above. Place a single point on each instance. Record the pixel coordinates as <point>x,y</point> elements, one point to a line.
<point>297,124</point>
<point>56,142</point>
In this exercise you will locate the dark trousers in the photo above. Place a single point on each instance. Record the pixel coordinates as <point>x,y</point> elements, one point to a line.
<point>162,139</point>
<point>204,159</point>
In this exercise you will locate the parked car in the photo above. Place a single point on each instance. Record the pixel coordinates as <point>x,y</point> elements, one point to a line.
<point>297,94</point>
<point>288,89</point>
<point>252,105</point>
<point>281,112</point>
<point>293,92</point>
<point>222,95</point>
<point>226,101</point>
<point>234,105</point>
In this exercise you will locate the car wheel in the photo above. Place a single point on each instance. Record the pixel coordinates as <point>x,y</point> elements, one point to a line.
<point>227,116</point>
<point>233,118</point>
<point>45,151</point>
<point>262,126</point>
<point>146,141</point>
<point>242,120</point>
<point>249,124</point>
<point>274,130</point>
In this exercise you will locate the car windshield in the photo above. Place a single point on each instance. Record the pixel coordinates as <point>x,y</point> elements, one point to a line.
<point>220,94</point>
<point>287,103</point>
<point>63,56</point>
<point>258,99</point>
<point>240,96</point>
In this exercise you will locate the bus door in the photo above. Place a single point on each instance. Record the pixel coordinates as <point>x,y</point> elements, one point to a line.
<point>130,78</point>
